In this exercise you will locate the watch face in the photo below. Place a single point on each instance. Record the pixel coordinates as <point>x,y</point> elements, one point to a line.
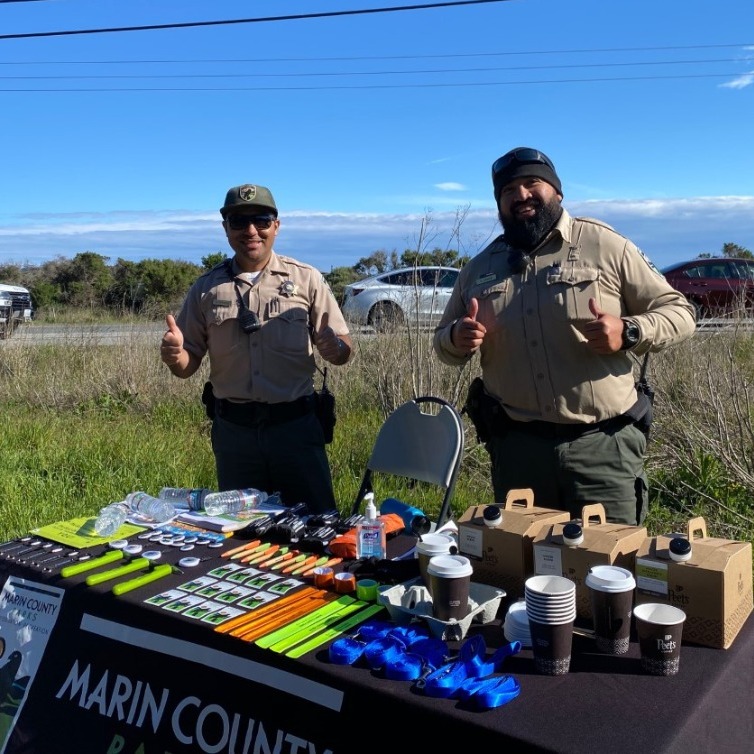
<point>631,334</point>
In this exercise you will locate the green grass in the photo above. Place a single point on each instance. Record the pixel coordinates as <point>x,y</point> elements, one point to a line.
<point>86,425</point>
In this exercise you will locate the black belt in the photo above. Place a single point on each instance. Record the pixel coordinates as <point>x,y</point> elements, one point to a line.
<point>568,431</point>
<point>253,412</point>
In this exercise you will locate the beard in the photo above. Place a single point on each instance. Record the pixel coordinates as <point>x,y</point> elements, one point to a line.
<point>527,233</point>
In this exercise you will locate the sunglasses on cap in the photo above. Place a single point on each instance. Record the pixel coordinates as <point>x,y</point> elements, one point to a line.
<point>521,156</point>
<point>241,222</point>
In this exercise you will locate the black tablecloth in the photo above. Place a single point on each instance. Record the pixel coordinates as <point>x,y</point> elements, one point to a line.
<point>111,662</point>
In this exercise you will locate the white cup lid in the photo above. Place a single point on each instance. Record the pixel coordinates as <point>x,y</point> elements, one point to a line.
<point>435,544</point>
<point>449,566</point>
<point>609,578</point>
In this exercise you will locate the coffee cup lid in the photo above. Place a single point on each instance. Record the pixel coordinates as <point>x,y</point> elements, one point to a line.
<point>608,578</point>
<point>449,566</point>
<point>435,544</point>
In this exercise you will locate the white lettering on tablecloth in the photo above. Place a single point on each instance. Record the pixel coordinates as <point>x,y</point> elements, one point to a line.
<point>137,704</point>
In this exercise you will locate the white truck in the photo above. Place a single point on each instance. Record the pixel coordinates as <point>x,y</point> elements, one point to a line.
<point>15,308</point>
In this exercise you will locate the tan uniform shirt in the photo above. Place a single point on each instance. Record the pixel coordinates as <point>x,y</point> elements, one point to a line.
<point>534,357</point>
<point>276,363</point>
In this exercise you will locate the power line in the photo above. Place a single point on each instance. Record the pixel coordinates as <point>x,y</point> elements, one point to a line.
<point>383,86</point>
<point>381,57</point>
<point>296,17</point>
<point>257,74</point>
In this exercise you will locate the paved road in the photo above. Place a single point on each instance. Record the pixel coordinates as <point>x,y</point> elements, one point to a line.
<point>36,333</point>
<point>101,335</point>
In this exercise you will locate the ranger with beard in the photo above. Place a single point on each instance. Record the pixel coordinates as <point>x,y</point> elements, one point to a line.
<point>554,307</point>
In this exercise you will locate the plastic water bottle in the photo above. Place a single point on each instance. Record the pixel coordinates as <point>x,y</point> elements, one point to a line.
<point>152,508</point>
<point>233,501</point>
<point>110,519</point>
<point>370,533</point>
<point>185,498</point>
<point>414,519</point>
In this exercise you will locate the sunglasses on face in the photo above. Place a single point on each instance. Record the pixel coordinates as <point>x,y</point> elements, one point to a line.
<point>241,222</point>
<point>522,156</point>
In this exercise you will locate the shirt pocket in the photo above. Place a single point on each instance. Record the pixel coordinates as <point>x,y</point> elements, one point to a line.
<point>570,290</point>
<point>288,330</point>
<point>493,299</point>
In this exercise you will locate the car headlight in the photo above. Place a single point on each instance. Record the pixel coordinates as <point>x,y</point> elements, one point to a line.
<point>5,300</point>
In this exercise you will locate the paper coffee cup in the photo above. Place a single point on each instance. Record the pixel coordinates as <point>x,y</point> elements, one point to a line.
<point>611,592</point>
<point>659,628</point>
<point>450,577</point>
<point>429,546</point>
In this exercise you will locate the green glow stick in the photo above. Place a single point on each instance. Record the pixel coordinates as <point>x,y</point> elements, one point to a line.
<point>305,621</point>
<point>76,568</point>
<point>134,565</point>
<point>334,632</point>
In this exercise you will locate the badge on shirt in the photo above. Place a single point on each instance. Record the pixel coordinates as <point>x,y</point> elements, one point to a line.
<point>288,289</point>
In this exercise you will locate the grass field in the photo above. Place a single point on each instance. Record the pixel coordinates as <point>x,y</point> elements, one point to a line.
<point>86,424</point>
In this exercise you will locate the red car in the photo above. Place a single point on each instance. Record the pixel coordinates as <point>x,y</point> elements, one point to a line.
<point>717,287</point>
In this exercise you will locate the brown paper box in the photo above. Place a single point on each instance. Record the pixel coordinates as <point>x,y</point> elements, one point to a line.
<point>604,544</point>
<point>713,587</point>
<point>502,556</point>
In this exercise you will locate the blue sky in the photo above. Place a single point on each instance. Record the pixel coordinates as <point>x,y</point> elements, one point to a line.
<point>373,131</point>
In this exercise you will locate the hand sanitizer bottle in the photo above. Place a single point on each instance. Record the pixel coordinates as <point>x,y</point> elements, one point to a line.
<point>370,533</point>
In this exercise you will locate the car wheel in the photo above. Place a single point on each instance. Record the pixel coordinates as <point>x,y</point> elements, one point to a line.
<point>700,309</point>
<point>385,317</point>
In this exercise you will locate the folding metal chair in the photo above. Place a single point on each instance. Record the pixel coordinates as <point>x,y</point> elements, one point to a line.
<point>423,446</point>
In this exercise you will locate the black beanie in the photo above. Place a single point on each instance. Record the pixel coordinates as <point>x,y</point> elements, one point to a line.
<point>524,162</point>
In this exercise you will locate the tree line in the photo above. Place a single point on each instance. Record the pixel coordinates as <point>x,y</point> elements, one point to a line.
<point>158,285</point>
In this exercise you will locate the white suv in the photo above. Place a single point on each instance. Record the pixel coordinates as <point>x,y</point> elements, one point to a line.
<point>409,296</point>
<point>15,308</point>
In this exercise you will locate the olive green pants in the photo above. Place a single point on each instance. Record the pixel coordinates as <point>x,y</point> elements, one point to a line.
<point>599,467</point>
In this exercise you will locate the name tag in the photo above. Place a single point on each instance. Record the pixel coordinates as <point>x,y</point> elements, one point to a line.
<point>222,302</point>
<point>488,278</point>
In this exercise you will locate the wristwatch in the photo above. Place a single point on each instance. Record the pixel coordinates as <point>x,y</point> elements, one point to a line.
<point>631,334</point>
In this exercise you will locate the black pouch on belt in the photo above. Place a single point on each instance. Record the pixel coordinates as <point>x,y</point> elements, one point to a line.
<point>324,407</point>
<point>208,399</point>
<point>486,413</point>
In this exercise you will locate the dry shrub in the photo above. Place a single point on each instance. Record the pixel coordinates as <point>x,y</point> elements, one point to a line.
<point>701,453</point>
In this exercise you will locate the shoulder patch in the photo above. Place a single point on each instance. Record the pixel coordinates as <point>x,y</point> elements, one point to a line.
<point>649,262</point>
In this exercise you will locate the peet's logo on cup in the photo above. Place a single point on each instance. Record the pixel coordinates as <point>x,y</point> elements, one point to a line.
<point>666,644</point>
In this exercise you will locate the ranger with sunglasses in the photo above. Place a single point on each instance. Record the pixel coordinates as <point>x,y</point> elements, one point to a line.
<point>259,316</point>
<point>555,307</point>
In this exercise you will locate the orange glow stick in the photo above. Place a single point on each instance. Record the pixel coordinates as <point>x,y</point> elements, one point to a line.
<point>268,549</point>
<point>247,546</point>
<point>265,610</point>
<point>296,559</point>
<point>295,566</point>
<point>310,571</point>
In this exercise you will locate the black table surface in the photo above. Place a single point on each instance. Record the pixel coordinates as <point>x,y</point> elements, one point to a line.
<point>604,704</point>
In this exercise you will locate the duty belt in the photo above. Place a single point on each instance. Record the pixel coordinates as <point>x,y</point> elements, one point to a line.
<point>254,412</point>
<point>567,431</point>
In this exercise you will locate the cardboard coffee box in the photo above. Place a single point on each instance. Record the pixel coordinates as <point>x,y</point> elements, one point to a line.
<point>502,555</point>
<point>603,544</point>
<point>713,587</point>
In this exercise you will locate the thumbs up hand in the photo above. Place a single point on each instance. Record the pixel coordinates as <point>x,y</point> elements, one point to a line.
<point>604,334</point>
<point>467,334</point>
<point>171,347</point>
<point>331,348</point>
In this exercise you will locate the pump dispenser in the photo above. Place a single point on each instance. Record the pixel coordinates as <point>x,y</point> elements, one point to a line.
<point>370,533</point>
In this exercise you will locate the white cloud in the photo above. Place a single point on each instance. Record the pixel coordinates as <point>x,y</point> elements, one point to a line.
<point>450,186</point>
<point>668,230</point>
<point>741,82</point>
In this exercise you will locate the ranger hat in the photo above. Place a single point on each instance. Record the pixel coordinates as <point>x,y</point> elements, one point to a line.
<point>248,196</point>
<point>521,162</point>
